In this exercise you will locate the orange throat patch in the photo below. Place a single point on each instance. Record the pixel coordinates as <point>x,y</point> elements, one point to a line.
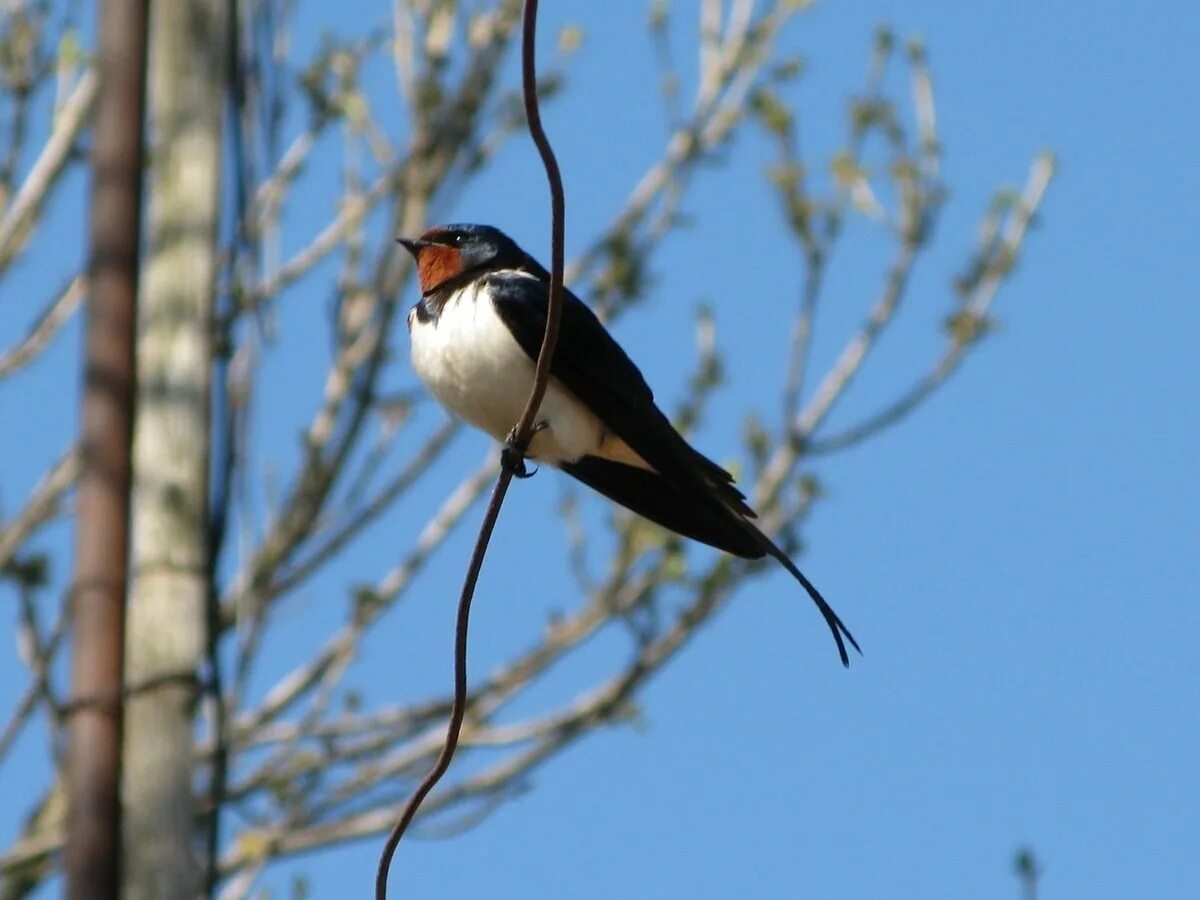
<point>437,265</point>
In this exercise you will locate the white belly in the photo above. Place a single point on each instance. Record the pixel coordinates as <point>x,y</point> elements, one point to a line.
<point>470,361</point>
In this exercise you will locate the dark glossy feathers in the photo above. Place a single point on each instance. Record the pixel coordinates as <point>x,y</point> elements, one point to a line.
<point>687,493</point>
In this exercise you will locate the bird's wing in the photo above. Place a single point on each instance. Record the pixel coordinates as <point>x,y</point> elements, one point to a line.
<point>688,513</point>
<point>595,369</point>
<point>686,492</point>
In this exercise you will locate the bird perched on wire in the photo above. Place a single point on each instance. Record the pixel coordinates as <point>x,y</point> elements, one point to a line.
<point>476,333</point>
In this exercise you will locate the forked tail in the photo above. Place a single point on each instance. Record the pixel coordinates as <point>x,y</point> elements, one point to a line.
<point>836,625</point>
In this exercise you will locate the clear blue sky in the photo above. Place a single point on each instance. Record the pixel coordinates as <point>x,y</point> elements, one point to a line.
<point>1019,560</point>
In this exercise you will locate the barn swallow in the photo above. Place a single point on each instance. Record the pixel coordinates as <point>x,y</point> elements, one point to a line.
<point>476,333</point>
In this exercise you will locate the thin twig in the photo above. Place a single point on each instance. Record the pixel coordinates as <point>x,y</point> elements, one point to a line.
<point>365,513</point>
<point>976,304</point>
<point>42,656</point>
<point>43,505</point>
<point>343,644</point>
<point>519,441</point>
<point>49,323</point>
<point>49,165</point>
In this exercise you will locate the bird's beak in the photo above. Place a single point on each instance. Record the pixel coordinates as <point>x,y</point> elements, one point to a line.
<point>413,247</point>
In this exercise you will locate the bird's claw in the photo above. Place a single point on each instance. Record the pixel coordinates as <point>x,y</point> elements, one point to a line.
<point>512,458</point>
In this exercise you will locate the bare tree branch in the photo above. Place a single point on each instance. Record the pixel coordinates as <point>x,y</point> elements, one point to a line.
<point>962,334</point>
<point>42,506</point>
<point>48,324</point>
<point>19,216</point>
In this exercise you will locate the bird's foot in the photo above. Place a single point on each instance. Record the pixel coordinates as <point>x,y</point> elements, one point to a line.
<point>512,461</point>
<point>512,458</point>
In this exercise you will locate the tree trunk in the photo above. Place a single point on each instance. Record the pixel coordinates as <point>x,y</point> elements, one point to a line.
<point>165,637</point>
<point>102,519</point>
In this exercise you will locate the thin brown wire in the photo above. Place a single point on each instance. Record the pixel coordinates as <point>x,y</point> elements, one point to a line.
<point>518,443</point>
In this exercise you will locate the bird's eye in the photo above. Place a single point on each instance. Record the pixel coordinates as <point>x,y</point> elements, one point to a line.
<point>458,239</point>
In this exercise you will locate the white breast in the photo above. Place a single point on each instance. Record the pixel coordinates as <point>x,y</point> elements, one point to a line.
<point>470,361</point>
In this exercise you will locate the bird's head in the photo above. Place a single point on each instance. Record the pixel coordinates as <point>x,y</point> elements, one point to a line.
<point>448,252</point>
